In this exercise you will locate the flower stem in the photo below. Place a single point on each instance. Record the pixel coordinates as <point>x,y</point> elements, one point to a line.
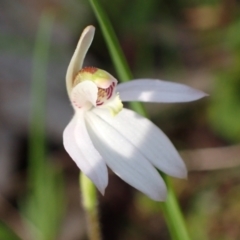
<point>89,199</point>
<point>170,208</point>
<point>172,213</point>
<point>116,53</point>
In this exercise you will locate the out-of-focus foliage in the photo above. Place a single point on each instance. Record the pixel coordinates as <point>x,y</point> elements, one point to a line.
<point>214,208</point>
<point>224,110</point>
<point>195,42</point>
<point>44,204</point>
<point>44,207</point>
<point>6,233</point>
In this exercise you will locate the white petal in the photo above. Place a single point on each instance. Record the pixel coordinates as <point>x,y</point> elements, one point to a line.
<point>149,139</point>
<point>84,95</point>
<point>124,159</point>
<point>79,146</point>
<point>77,59</point>
<point>152,90</point>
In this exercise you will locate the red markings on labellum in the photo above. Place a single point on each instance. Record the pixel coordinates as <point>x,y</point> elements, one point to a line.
<point>105,94</point>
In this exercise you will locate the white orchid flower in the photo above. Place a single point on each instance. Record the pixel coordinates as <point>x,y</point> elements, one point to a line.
<point>102,133</point>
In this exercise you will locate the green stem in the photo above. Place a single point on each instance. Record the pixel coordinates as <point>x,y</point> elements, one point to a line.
<point>116,53</point>
<point>89,199</point>
<point>173,215</point>
<point>120,63</point>
<point>170,208</point>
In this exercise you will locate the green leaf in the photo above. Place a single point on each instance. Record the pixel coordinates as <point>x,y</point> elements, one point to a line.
<point>44,203</point>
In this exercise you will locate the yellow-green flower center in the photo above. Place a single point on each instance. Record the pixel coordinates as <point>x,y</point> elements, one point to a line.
<point>106,85</point>
<point>104,81</point>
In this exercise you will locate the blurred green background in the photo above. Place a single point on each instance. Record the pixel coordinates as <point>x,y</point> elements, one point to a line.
<point>192,42</point>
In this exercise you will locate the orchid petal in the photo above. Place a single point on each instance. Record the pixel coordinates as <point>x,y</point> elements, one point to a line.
<point>77,59</point>
<point>148,139</point>
<point>153,90</point>
<point>124,159</point>
<point>84,95</point>
<point>79,146</point>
